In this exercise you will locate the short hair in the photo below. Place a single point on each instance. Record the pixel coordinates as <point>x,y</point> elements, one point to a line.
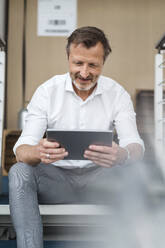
<point>89,36</point>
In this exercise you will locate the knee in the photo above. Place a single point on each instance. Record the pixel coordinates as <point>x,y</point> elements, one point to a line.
<point>20,174</point>
<point>19,168</point>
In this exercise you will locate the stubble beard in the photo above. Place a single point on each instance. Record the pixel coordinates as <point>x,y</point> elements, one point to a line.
<point>86,88</point>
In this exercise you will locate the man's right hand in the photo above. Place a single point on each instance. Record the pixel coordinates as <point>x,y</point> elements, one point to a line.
<point>51,151</point>
<point>46,152</point>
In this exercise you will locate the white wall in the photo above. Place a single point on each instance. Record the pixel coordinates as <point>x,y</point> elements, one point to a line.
<point>2,18</point>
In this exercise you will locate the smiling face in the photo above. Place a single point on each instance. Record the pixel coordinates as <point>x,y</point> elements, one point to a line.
<point>85,66</point>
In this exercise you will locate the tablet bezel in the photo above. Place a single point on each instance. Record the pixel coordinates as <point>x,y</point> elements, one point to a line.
<point>77,141</point>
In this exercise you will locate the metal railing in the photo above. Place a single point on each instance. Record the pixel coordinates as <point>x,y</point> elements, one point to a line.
<point>159,100</point>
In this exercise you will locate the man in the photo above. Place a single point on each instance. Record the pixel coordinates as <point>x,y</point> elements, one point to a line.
<point>81,99</point>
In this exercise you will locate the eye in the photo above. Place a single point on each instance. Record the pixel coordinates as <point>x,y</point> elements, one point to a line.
<point>78,63</point>
<point>92,65</point>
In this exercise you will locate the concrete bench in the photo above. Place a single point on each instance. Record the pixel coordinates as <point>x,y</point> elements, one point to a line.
<point>63,214</point>
<point>67,217</point>
<point>67,222</point>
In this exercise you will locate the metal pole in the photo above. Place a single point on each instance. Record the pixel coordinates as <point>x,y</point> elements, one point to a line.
<point>2,100</point>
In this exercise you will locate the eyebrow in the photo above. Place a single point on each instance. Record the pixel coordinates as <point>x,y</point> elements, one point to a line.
<point>80,61</point>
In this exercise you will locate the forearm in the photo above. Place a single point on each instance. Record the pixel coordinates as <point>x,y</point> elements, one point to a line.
<point>28,154</point>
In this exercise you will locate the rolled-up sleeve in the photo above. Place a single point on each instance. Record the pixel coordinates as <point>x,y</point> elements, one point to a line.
<point>36,119</point>
<point>125,119</point>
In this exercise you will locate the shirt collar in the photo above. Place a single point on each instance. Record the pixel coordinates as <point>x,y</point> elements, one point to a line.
<point>99,88</point>
<point>69,87</point>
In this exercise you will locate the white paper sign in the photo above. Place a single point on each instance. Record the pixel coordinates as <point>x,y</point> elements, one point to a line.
<point>56,17</point>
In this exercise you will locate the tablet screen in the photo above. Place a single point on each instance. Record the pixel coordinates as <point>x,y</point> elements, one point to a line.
<point>76,142</point>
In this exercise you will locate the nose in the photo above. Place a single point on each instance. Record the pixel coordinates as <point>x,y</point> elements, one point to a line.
<point>84,72</point>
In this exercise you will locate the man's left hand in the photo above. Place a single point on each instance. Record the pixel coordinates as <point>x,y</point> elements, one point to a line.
<point>106,156</point>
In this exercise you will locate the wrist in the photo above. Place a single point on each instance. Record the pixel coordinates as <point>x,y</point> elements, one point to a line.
<point>128,155</point>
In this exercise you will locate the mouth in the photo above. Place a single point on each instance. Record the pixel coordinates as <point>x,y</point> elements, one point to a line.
<point>84,79</point>
<point>79,77</point>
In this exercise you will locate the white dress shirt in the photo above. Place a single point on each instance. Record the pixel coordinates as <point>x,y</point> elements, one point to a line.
<point>55,105</point>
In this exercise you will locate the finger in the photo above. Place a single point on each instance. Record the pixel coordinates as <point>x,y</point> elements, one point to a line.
<point>52,158</point>
<point>58,156</point>
<point>101,158</point>
<point>97,155</point>
<point>52,151</point>
<point>103,163</point>
<point>49,144</point>
<point>101,149</point>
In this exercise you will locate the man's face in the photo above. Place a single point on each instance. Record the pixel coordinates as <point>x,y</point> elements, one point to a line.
<point>85,65</point>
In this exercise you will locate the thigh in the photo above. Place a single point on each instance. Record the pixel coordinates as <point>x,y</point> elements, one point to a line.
<point>104,185</point>
<point>53,185</point>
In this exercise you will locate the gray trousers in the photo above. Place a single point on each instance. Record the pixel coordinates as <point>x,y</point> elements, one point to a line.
<point>31,185</point>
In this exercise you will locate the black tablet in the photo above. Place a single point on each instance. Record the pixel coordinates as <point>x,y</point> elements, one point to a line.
<point>76,142</point>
